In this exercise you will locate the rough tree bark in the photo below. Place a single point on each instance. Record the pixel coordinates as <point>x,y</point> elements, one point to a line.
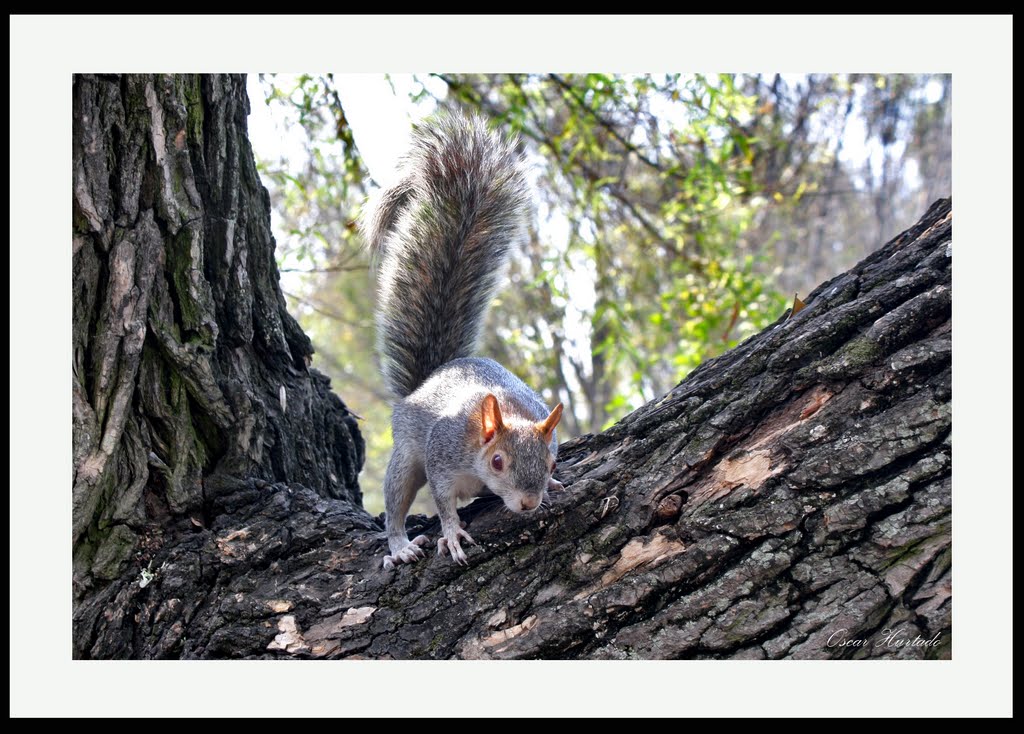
<point>794,491</point>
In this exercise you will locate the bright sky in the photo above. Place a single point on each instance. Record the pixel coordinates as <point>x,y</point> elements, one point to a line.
<point>378,108</point>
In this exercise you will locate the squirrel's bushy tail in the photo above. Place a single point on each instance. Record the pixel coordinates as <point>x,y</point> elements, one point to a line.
<point>442,235</point>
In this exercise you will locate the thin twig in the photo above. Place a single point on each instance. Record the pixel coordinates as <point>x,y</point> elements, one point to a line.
<point>326,312</point>
<point>326,269</point>
<point>581,104</point>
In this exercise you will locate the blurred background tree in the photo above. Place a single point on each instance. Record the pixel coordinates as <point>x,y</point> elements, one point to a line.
<point>677,215</point>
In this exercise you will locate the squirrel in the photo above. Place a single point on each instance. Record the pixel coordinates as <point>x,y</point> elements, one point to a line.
<point>442,237</point>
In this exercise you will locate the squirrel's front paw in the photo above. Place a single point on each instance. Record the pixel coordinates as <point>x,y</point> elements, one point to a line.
<point>409,554</point>
<point>449,543</point>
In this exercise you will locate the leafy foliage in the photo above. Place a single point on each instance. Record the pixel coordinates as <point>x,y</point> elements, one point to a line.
<point>677,215</point>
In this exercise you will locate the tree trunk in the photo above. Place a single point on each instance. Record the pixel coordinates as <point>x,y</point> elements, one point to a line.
<point>188,370</point>
<point>786,498</point>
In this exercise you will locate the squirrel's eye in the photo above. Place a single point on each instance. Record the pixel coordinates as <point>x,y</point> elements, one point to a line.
<point>497,462</point>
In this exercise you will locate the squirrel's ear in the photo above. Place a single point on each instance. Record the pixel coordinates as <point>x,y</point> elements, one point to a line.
<point>490,418</point>
<point>547,425</point>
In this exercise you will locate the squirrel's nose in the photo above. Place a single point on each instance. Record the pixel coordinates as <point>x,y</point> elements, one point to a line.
<point>528,503</point>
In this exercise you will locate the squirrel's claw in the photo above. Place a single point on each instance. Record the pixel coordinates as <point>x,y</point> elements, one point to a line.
<point>449,543</point>
<point>409,554</point>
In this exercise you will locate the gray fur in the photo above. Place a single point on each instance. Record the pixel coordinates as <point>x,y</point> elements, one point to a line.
<point>436,437</point>
<point>443,235</point>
